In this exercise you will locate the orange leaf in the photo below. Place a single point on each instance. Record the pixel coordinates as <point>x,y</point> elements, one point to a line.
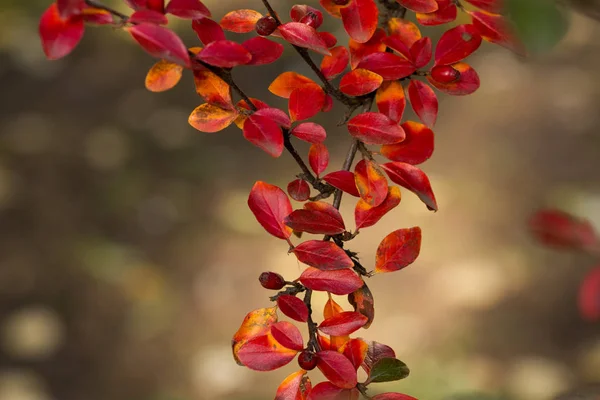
<point>371,182</point>
<point>398,250</point>
<point>256,323</point>
<point>163,76</point>
<point>211,118</point>
<point>355,350</point>
<point>407,30</point>
<point>240,21</point>
<point>287,82</point>
<point>295,387</point>
<point>360,82</point>
<point>390,100</point>
<point>336,63</point>
<point>213,89</point>
<point>358,51</point>
<point>366,215</point>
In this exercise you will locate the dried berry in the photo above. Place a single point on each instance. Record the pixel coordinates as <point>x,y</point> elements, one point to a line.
<point>307,360</point>
<point>271,280</point>
<point>266,25</point>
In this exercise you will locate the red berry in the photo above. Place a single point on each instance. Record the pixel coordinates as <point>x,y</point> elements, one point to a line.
<point>266,25</point>
<point>271,280</point>
<point>313,19</point>
<point>341,2</point>
<point>307,360</point>
<point>444,74</point>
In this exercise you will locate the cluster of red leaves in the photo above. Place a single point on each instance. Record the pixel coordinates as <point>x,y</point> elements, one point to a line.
<point>560,230</point>
<point>380,65</point>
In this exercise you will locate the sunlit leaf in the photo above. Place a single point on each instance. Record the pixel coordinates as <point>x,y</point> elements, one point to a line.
<point>366,215</point>
<point>362,301</point>
<point>358,51</point>
<point>340,282</point>
<point>306,102</point>
<point>360,19</point>
<point>390,100</point>
<point>256,323</point>
<point>295,387</point>
<point>370,182</point>
<point>225,53</point>
<point>211,118</point>
<point>457,44</point>
<point>240,21</point>
<point>322,255</point>
<point>302,35</point>
<point>287,82</point>
<point>355,350</point>
<point>264,353</point>
<point>415,149</point>
<point>212,88</point>
<point>309,132</point>
<point>336,63</point>
<point>422,6</point>
<point>360,82</point>
<point>446,12</point>
<point>265,133</point>
<point>163,75</point>
<point>390,66</point>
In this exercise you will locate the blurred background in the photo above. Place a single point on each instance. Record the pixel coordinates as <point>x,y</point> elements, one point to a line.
<point>128,256</point>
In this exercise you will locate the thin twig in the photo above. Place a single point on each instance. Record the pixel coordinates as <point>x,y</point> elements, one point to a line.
<point>313,340</point>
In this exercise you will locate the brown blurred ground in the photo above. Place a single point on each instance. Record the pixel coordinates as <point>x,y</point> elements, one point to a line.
<point>128,256</point>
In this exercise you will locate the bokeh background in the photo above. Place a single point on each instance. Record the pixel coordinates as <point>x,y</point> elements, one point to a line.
<point>128,256</point>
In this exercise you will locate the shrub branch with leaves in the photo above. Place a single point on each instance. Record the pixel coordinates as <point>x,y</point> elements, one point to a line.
<point>386,56</point>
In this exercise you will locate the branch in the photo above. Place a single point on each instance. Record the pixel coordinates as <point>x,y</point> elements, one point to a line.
<point>313,340</point>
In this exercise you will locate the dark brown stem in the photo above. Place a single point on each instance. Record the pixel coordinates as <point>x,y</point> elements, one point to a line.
<point>324,189</point>
<point>313,341</point>
<point>363,390</point>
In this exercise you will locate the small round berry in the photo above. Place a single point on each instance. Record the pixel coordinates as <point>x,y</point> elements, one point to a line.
<point>444,74</point>
<point>271,280</point>
<point>341,2</point>
<point>266,25</point>
<point>307,360</point>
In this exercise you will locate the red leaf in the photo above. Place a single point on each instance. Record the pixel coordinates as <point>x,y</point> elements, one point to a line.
<point>306,102</point>
<point>404,31</point>
<point>375,128</point>
<point>496,29</point>
<point>97,16</point>
<point>263,132</point>
<point>323,255</point>
<point>376,351</point>
<point>413,179</point>
<point>390,100</point>
<point>263,50</point>
<point>393,396</point>
<point>343,324</point>
<point>59,36</point>
<point>360,82</point>
<point>328,38</point>
<point>318,158</point>
<point>299,190</point>
<point>457,44</point>
<point>293,307</point>
<point>326,208</point>
<point>398,250</point>
<point>421,6</point>
<point>366,215</point>
<point>340,282</point>
<point>337,369</point>
<point>148,16</point>
<point>343,180</point>
<point>493,6</point>
<point>275,114</point>
<point>270,206</point>
<point>295,387</point>
<point>156,5</point>
<point>287,335</point>
<point>358,51</point>
<point>225,54</point>
<point>355,350</point>
<point>211,118</point>
<point>446,12</point>
<point>589,295</point>
<point>240,21</point>
<point>302,35</point>
<point>360,19</point>
<point>309,132</point>
<point>190,9</point>
<point>423,101</point>
<point>467,83</point>
<point>336,63</point>
<point>420,52</point>
<point>264,353</point>
<point>332,8</point>
<point>389,66</point>
<point>562,230</point>
<point>69,8</point>
<point>327,391</point>
<point>161,42</point>
<point>208,31</point>
<point>362,301</point>
<point>415,149</point>
<point>370,182</point>
<point>313,221</point>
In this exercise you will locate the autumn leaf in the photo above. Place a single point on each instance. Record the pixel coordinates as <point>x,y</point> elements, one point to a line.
<point>340,282</point>
<point>163,75</point>
<point>240,21</point>
<point>256,323</point>
<point>287,335</point>
<point>211,118</point>
<point>270,206</point>
<point>295,387</point>
<point>337,369</point>
<point>371,182</point>
<point>360,19</point>
<point>160,42</point>
<point>415,149</point>
<point>366,215</point>
<point>390,100</point>
<point>59,35</point>
<point>375,128</point>
<point>305,36</point>
<point>424,102</point>
<point>293,307</point>
<point>322,255</point>
<point>413,179</point>
<point>388,370</point>
<point>398,250</point>
<point>362,301</point>
<point>264,353</point>
<point>343,324</point>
